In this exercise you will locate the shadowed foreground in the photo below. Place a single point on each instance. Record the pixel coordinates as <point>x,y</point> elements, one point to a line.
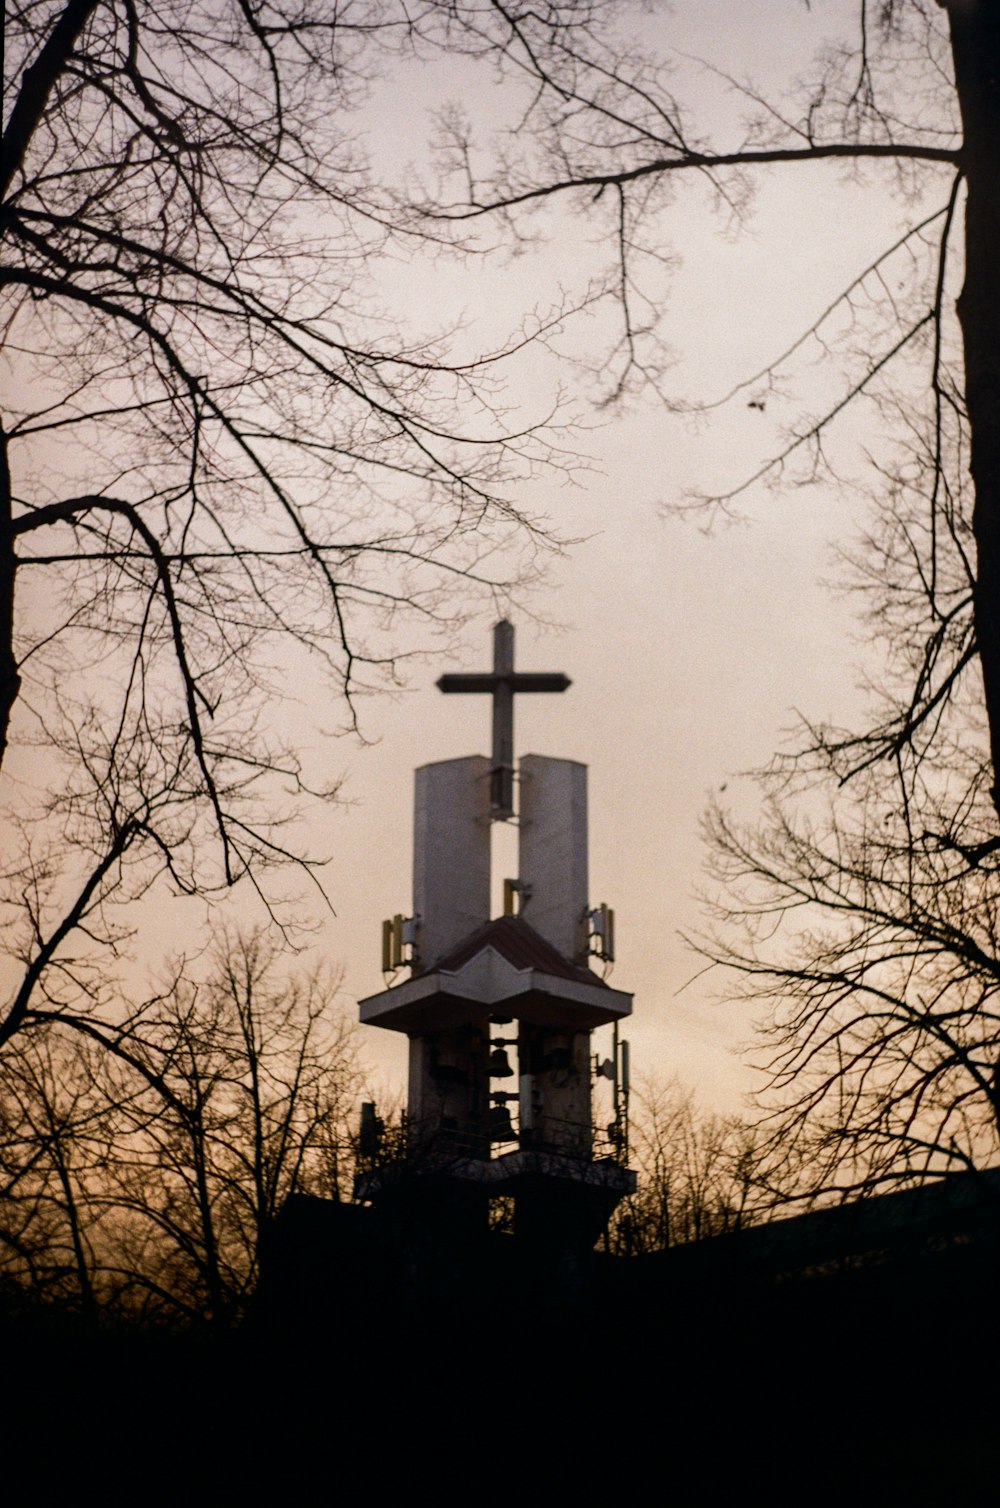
<point>849,1353</point>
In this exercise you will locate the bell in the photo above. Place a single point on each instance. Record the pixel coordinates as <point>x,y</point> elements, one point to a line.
<point>500,1064</point>
<point>370,1134</point>
<point>501,1126</point>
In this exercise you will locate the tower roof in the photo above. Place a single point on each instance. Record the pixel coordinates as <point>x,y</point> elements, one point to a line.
<point>518,942</point>
<point>503,966</point>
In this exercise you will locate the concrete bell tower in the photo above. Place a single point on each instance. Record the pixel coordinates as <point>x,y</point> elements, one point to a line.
<point>494,1003</point>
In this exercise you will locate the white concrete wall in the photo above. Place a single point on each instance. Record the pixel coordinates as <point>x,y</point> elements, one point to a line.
<point>451,852</point>
<point>553,849</point>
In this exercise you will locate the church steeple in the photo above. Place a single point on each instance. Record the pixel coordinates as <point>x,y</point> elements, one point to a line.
<point>481,986</point>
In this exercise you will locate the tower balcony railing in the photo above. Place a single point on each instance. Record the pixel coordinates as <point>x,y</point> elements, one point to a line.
<point>434,1142</point>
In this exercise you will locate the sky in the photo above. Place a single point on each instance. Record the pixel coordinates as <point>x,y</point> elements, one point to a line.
<point>692,651</point>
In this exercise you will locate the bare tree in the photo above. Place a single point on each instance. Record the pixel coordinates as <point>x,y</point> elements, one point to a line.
<point>911,98</point>
<point>700,1174</point>
<point>224,474</point>
<point>872,953</point>
<point>143,1171</point>
<point>53,1153</point>
<point>862,912</point>
<point>225,417</point>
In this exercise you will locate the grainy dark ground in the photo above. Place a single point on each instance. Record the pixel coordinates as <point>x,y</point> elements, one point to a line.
<point>693,1376</point>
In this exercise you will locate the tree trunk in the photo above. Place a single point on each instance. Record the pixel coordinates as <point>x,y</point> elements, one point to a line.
<point>10,681</point>
<point>975,40</point>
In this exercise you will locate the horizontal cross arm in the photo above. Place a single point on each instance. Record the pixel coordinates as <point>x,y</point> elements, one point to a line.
<point>517,681</point>
<point>540,680</point>
<point>485,682</point>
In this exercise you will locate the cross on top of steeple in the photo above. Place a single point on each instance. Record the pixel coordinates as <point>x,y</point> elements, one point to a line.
<point>501,683</point>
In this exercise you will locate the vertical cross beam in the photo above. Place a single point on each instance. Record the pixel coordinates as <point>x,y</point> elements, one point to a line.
<point>502,683</point>
<point>502,773</point>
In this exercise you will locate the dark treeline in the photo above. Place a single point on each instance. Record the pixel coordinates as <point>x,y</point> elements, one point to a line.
<point>142,1173</point>
<point>141,1168</point>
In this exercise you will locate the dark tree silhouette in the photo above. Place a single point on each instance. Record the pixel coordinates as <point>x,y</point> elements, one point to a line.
<point>249,470</point>
<point>224,476</point>
<point>862,912</point>
<point>912,97</point>
<point>872,954</point>
<point>700,1174</point>
<point>142,1166</point>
